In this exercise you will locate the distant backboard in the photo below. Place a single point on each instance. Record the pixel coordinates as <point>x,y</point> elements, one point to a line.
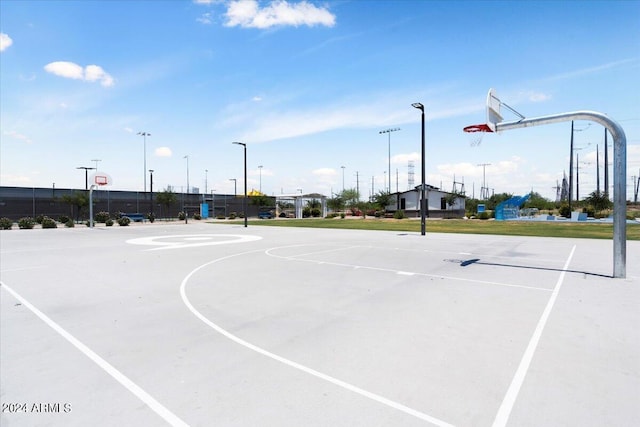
<point>494,116</point>
<point>100,179</point>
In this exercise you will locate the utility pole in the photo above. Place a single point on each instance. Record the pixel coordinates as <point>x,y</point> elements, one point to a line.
<point>484,191</point>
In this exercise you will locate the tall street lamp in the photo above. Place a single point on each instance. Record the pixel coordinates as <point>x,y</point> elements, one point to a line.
<point>235,187</point>
<point>206,172</point>
<point>144,169</point>
<point>388,131</point>
<point>423,184</point>
<point>151,188</point>
<point>187,157</point>
<point>244,201</point>
<point>96,162</point>
<point>260,169</point>
<point>343,167</point>
<point>86,175</point>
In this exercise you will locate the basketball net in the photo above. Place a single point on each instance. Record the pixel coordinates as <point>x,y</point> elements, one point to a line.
<point>476,133</point>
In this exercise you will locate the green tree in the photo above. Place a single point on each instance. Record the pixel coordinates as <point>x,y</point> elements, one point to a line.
<point>451,198</point>
<point>336,203</point>
<point>599,201</point>
<point>350,196</point>
<point>166,198</point>
<point>78,200</point>
<point>260,200</point>
<point>381,200</point>
<point>537,201</point>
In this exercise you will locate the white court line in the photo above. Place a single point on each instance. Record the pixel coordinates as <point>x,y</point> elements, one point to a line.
<point>291,363</point>
<point>390,270</point>
<point>516,383</point>
<point>156,406</point>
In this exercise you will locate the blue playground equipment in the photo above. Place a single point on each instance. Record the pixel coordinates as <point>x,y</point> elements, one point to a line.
<point>509,209</point>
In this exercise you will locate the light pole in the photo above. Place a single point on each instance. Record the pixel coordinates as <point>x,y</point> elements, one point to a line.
<point>151,188</point>
<point>484,192</point>
<point>187,157</point>
<point>423,227</point>
<point>235,187</point>
<point>86,175</point>
<point>343,167</point>
<point>206,172</point>
<point>260,169</point>
<point>572,149</point>
<point>96,162</point>
<point>144,169</point>
<point>388,131</point>
<point>244,201</point>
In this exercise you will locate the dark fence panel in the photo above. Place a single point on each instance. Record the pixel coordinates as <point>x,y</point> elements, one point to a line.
<point>18,202</point>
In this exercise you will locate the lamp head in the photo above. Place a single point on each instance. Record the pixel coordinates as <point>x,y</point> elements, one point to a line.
<point>418,105</point>
<point>240,143</point>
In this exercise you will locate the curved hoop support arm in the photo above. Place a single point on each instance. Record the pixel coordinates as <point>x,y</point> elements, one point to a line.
<point>619,173</point>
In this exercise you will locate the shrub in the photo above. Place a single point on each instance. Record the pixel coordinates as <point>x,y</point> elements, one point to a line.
<point>589,210</point>
<point>109,222</point>
<point>565,211</point>
<point>315,212</point>
<point>102,217</point>
<point>181,216</point>
<point>70,223</point>
<point>220,217</point>
<point>342,215</point>
<point>399,214</point>
<point>124,221</point>
<point>197,216</point>
<point>232,215</point>
<point>40,218</point>
<point>331,215</point>
<point>151,217</point>
<point>26,223</point>
<point>5,224</point>
<point>484,215</point>
<point>48,223</point>
<point>63,219</point>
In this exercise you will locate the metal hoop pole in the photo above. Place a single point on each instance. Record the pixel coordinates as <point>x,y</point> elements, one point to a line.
<point>619,174</point>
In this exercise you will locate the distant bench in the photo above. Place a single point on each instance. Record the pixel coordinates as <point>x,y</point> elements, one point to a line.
<point>135,217</point>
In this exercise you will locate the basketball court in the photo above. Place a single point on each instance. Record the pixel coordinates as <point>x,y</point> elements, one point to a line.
<point>203,324</point>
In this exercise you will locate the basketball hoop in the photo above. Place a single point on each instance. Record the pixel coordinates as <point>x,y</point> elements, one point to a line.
<point>476,133</point>
<point>100,179</point>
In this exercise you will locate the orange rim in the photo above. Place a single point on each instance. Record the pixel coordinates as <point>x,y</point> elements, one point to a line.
<point>483,127</point>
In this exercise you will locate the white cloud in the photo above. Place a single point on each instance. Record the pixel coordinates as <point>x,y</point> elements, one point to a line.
<point>5,41</point>
<point>404,158</point>
<point>71,70</point>
<point>256,99</point>
<point>65,69</point>
<point>163,152</point>
<point>325,172</point>
<point>19,136</point>
<point>128,129</point>
<point>93,73</point>
<point>248,14</point>
<point>207,2</point>
<point>205,18</point>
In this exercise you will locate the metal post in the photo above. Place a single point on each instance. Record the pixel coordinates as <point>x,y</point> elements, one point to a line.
<point>619,174</point>
<point>151,188</point>
<point>423,184</point>
<point>244,201</point>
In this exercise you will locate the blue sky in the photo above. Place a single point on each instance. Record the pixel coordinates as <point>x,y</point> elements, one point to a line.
<point>308,86</point>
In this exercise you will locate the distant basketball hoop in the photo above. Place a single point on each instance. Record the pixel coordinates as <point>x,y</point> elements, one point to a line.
<point>101,179</point>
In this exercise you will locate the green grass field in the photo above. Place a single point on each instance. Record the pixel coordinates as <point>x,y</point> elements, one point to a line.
<point>514,228</point>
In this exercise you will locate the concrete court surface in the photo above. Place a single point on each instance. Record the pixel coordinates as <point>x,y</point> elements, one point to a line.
<point>220,325</point>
